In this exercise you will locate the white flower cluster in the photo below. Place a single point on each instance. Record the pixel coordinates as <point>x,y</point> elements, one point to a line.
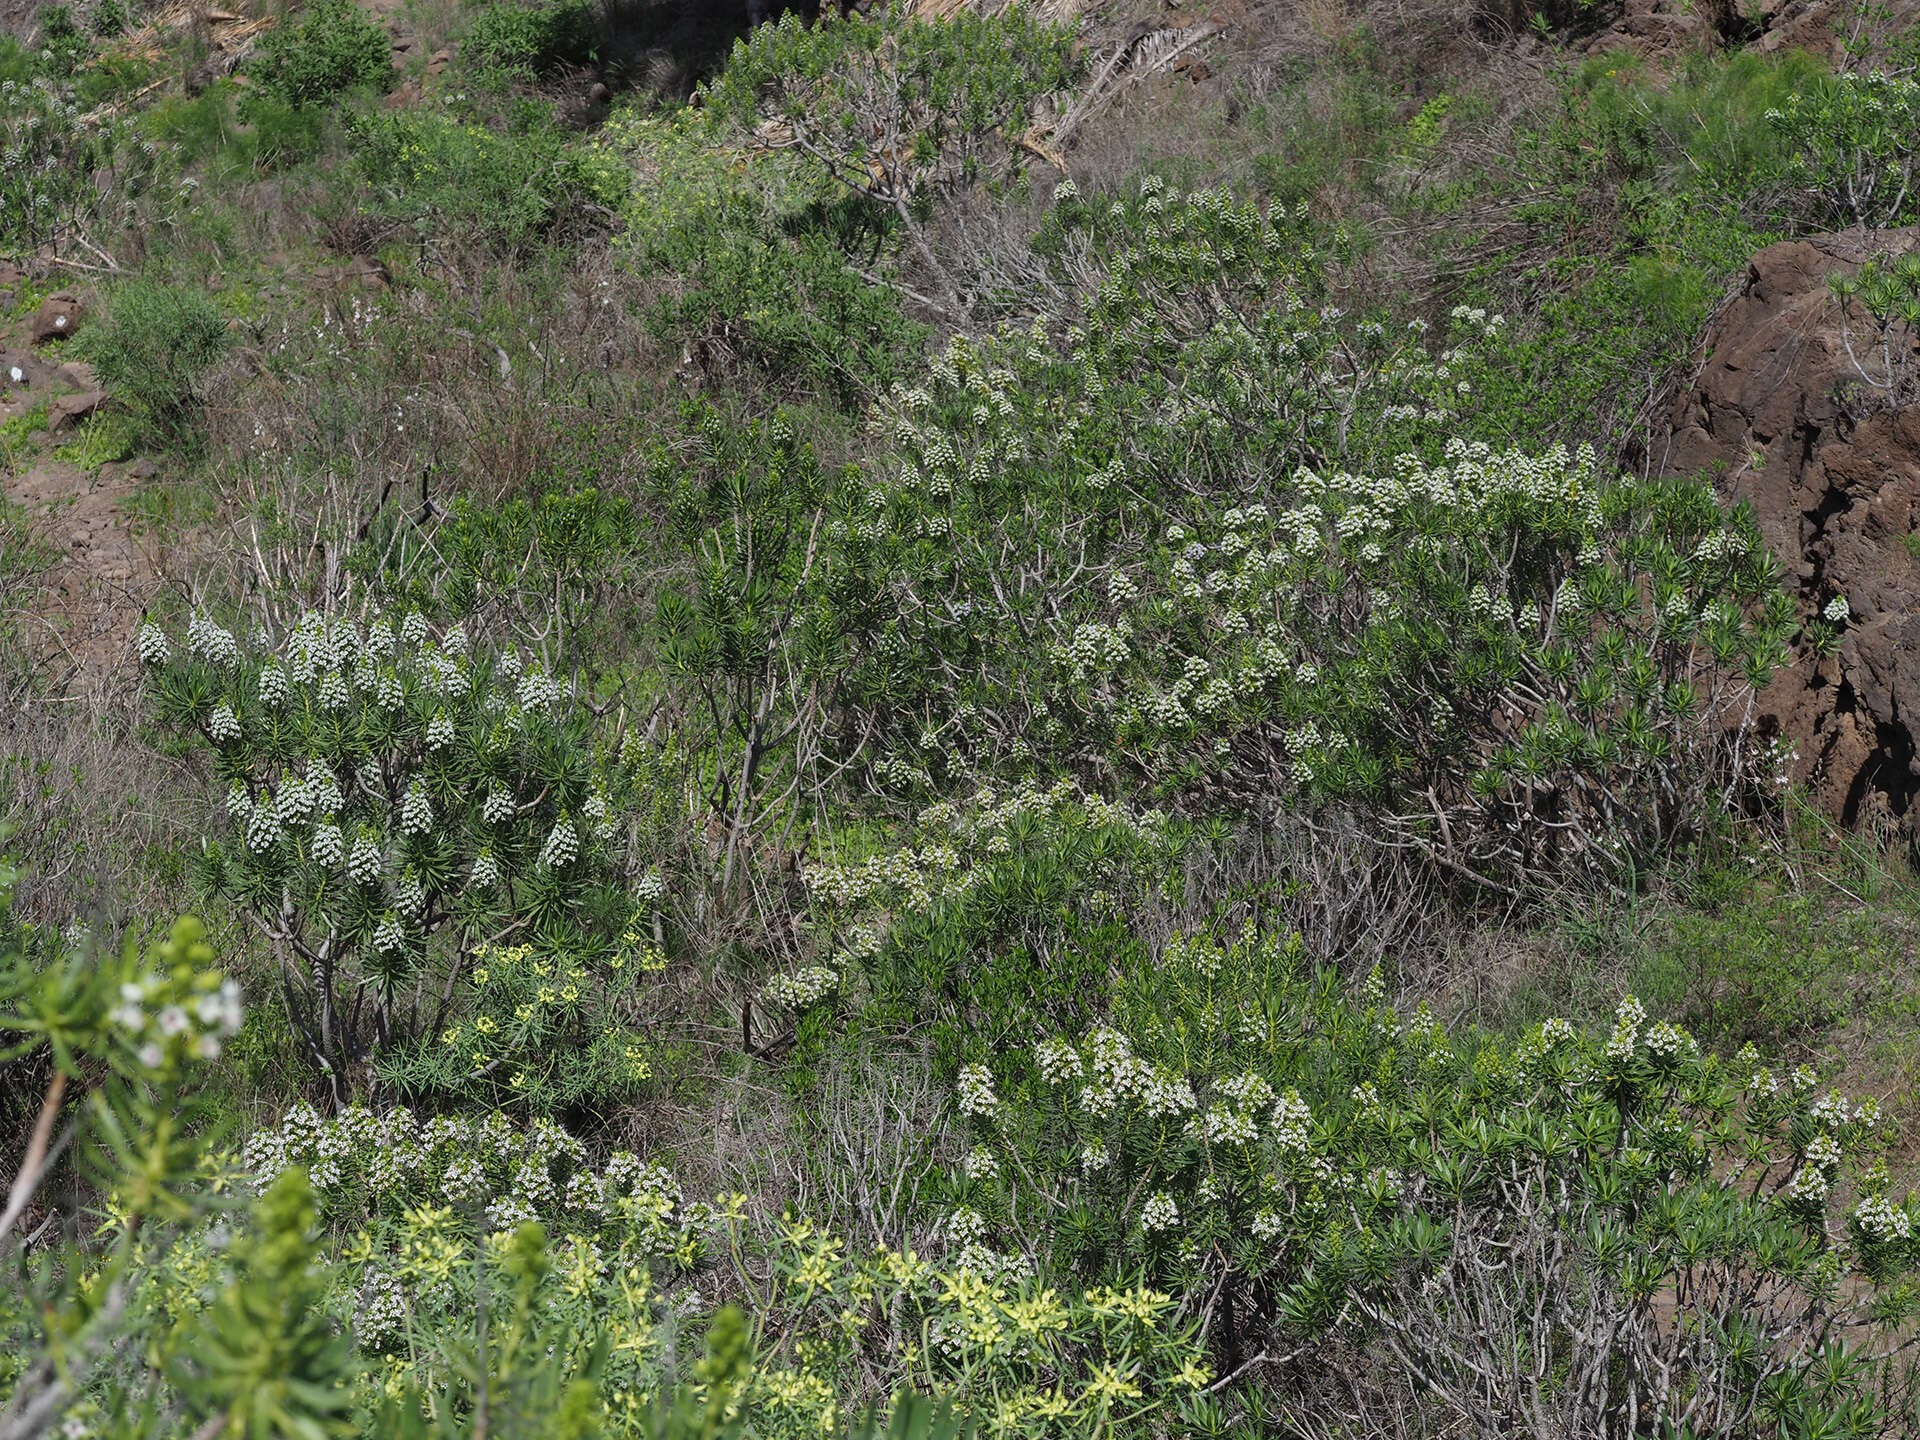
<point>1159,1213</point>
<point>1815,1176</point>
<point>1058,1062</point>
<point>153,645</point>
<point>1668,1039</point>
<point>1628,1019</point>
<point>981,1164</point>
<point>1882,1220</point>
<point>389,935</point>
<point>515,1169</point>
<point>1833,1109</point>
<point>210,642</point>
<point>802,988</point>
<point>562,845</point>
<point>599,814</point>
<point>975,1087</point>
<point>366,860</point>
<point>416,810</point>
<point>1291,1117</point>
<point>1118,1074</point>
<point>164,1019</point>
<point>380,1317</point>
<point>1366,1097</point>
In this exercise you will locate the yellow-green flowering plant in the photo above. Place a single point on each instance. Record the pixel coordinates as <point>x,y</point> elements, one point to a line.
<point>1543,1233</point>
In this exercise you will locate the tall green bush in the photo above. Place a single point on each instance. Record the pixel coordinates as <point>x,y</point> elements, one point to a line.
<point>1216,539</point>
<point>151,349</point>
<point>336,49</point>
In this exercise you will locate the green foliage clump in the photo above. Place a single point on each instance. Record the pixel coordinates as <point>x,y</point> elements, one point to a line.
<point>1887,361</point>
<point>336,49</point>
<point>151,348</point>
<point>760,275</point>
<point>1857,140</point>
<point>894,108</point>
<point>508,191</point>
<point>529,40</point>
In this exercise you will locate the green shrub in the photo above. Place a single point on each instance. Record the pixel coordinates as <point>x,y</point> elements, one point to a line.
<point>896,108</point>
<point>1462,1227</point>
<point>761,274</point>
<point>1886,355</point>
<point>150,350</point>
<point>63,45</point>
<point>1858,142</point>
<point>529,40</point>
<point>396,807</point>
<point>1261,561</point>
<point>68,180</point>
<point>509,191</point>
<point>336,48</point>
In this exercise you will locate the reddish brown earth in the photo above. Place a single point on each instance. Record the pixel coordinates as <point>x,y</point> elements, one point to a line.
<point>1777,415</point>
<point>90,600</point>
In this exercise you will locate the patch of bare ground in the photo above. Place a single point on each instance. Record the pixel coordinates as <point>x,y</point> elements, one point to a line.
<point>92,597</point>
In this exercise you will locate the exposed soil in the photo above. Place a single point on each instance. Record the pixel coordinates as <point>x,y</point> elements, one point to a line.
<point>91,599</point>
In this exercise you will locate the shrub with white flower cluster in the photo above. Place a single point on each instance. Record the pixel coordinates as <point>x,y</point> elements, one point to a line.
<point>396,794</point>
<point>1858,142</point>
<point>371,1166</point>
<point>1509,660</point>
<point>801,989</point>
<point>70,174</point>
<point>1319,1172</point>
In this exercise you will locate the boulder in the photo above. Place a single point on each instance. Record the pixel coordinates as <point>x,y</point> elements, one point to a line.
<point>20,370</point>
<point>56,318</point>
<point>68,411</point>
<point>1779,417</point>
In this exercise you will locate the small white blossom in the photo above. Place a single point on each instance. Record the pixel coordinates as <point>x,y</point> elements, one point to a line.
<point>388,936</point>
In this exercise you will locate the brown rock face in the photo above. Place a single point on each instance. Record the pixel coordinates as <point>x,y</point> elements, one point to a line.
<point>1780,418</point>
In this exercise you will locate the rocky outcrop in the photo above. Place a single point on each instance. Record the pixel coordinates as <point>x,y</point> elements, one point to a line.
<point>1664,29</point>
<point>1778,416</point>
